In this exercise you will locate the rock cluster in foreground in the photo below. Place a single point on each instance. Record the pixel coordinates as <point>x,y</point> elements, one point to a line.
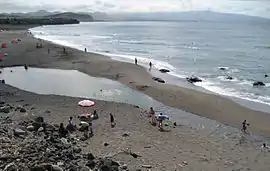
<point>37,146</point>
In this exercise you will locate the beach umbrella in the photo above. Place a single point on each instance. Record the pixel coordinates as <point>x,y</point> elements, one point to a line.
<point>163,116</point>
<point>4,45</point>
<point>86,103</point>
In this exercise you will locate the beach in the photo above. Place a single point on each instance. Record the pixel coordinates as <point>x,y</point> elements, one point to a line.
<point>180,149</point>
<point>137,77</point>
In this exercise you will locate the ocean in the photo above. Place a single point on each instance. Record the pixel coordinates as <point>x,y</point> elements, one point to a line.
<point>185,48</point>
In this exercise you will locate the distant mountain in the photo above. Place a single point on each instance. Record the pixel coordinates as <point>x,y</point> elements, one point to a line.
<point>46,14</point>
<point>195,16</point>
<point>80,17</point>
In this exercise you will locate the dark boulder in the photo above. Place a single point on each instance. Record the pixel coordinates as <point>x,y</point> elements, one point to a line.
<point>265,75</point>
<point>193,79</point>
<point>3,81</point>
<point>258,83</point>
<point>164,70</point>
<point>22,110</point>
<point>222,68</point>
<point>158,80</point>
<point>5,109</point>
<point>229,78</point>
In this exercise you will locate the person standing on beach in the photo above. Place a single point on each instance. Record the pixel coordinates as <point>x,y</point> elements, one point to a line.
<point>153,116</point>
<point>85,50</point>
<point>150,66</point>
<point>112,120</point>
<point>136,61</point>
<point>244,126</point>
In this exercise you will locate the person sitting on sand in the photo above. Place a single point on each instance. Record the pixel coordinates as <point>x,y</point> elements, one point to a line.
<point>244,126</point>
<point>62,131</point>
<point>112,120</point>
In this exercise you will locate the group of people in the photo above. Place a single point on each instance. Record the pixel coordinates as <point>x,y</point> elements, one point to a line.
<point>150,64</point>
<point>86,125</point>
<point>157,119</point>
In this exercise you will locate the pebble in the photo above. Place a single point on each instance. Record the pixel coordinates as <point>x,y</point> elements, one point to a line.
<point>30,128</point>
<point>41,129</point>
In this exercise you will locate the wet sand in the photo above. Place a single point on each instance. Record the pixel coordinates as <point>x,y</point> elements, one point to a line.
<point>207,105</point>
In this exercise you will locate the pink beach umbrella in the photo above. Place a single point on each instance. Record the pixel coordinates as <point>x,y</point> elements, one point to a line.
<point>86,103</point>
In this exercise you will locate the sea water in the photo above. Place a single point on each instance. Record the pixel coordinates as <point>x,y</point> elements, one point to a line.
<point>185,48</point>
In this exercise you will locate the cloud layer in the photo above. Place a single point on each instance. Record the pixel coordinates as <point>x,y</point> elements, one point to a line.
<point>249,7</point>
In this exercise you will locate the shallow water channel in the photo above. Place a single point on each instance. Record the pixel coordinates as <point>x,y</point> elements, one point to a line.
<point>76,84</point>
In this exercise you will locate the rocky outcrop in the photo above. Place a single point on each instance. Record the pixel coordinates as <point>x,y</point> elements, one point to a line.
<point>160,80</point>
<point>164,70</point>
<point>46,150</point>
<point>258,83</point>
<point>193,79</point>
<point>229,78</point>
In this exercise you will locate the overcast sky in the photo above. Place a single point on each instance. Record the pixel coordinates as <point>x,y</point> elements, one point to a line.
<point>249,7</point>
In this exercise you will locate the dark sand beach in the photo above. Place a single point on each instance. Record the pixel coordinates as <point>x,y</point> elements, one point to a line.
<point>180,149</point>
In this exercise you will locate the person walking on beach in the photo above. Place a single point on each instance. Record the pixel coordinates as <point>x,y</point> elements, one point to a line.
<point>150,66</point>
<point>136,61</point>
<point>244,126</point>
<point>112,120</point>
<point>85,50</point>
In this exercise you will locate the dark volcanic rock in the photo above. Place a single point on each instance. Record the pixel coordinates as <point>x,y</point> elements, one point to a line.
<point>158,80</point>
<point>22,110</point>
<point>3,81</point>
<point>265,75</point>
<point>193,79</point>
<point>5,109</point>
<point>164,70</point>
<point>229,78</point>
<point>222,68</point>
<point>258,83</point>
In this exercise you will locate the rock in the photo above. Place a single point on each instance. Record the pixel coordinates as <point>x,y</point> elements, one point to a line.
<point>258,83</point>
<point>46,167</point>
<point>5,109</point>
<point>265,75</point>
<point>11,167</point>
<point>90,156</point>
<point>41,129</point>
<point>77,149</point>
<point>18,132</point>
<point>164,70</point>
<point>106,144</point>
<point>125,135</point>
<point>229,78</point>
<point>174,124</point>
<point>47,111</point>
<point>158,80</point>
<point>39,119</point>
<point>1,102</point>
<point>4,140</point>
<point>193,79</point>
<point>56,168</point>
<point>124,167</point>
<point>30,128</point>
<point>22,110</point>
<point>3,81</point>
<point>222,68</point>
<point>91,164</point>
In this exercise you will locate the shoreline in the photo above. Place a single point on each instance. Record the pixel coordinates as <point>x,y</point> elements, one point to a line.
<point>203,104</point>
